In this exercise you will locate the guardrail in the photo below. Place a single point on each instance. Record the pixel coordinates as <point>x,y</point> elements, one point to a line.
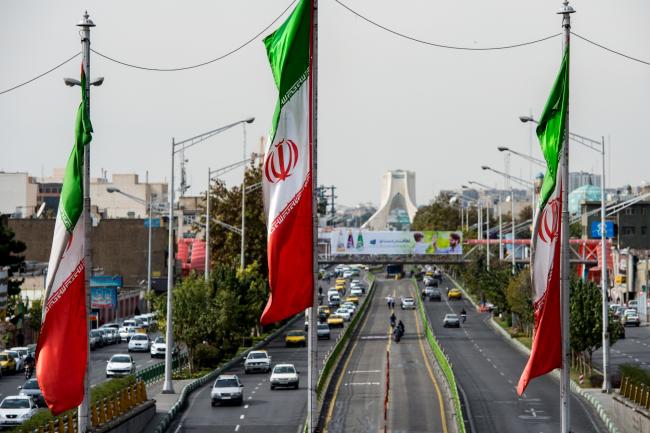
<point>155,372</point>
<point>330,359</point>
<point>443,361</point>
<point>637,392</point>
<point>101,412</point>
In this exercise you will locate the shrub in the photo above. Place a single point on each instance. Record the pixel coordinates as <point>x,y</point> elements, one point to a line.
<point>206,356</point>
<point>635,373</point>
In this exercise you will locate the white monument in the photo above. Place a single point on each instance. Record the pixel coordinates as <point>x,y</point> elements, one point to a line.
<point>397,197</point>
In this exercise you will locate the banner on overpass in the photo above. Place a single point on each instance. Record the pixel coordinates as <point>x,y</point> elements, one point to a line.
<point>356,241</point>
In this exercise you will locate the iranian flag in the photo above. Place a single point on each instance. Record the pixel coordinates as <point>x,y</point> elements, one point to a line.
<point>62,350</point>
<point>287,178</point>
<point>546,353</point>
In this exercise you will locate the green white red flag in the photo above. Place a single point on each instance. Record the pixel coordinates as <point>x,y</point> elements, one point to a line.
<point>546,352</point>
<point>62,350</point>
<point>287,177</point>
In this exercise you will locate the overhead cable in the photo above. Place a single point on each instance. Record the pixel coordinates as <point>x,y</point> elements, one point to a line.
<point>39,76</point>
<point>609,49</point>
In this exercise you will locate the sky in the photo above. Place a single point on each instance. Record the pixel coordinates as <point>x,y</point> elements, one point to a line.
<point>384,102</point>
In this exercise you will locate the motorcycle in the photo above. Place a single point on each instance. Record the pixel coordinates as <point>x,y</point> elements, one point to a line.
<point>463,317</point>
<point>28,371</point>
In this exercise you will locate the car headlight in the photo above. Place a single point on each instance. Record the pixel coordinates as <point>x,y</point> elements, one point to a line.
<point>25,415</point>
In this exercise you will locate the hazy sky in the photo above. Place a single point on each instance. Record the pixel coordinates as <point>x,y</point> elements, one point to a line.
<point>384,102</point>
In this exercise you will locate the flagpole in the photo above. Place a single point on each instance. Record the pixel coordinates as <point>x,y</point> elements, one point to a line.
<point>83,420</point>
<point>312,378</point>
<point>565,390</point>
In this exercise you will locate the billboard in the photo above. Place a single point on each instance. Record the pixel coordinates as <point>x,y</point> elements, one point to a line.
<point>356,241</point>
<point>103,297</point>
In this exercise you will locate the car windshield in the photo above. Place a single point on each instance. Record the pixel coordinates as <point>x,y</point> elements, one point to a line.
<point>284,369</point>
<point>295,334</point>
<point>258,355</point>
<point>121,358</point>
<point>139,337</point>
<point>451,316</point>
<point>323,326</point>
<point>31,384</point>
<point>4,357</point>
<point>95,333</point>
<point>15,403</point>
<point>159,340</point>
<point>225,383</point>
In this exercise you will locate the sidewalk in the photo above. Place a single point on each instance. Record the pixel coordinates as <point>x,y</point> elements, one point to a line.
<point>163,401</point>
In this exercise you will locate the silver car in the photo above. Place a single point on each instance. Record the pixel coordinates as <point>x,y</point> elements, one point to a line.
<point>227,389</point>
<point>451,321</point>
<point>32,389</point>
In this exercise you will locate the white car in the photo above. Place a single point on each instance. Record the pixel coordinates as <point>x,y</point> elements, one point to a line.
<point>158,347</point>
<point>120,365</point>
<point>284,375</point>
<point>350,306</point>
<point>356,291</point>
<point>345,313</point>
<point>348,274</point>
<point>22,351</point>
<point>130,322</point>
<point>126,332</point>
<point>139,343</point>
<point>408,303</point>
<point>16,409</point>
<point>257,360</point>
<point>226,389</point>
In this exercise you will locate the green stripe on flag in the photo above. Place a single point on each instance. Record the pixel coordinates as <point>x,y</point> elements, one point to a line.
<point>71,203</point>
<point>288,51</point>
<point>551,129</point>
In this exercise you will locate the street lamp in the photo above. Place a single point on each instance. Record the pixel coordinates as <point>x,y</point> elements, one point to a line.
<point>176,147</point>
<point>597,146</point>
<point>528,158</point>
<point>512,208</point>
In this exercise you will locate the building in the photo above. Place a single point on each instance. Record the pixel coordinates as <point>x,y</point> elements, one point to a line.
<point>631,226</point>
<point>18,194</point>
<point>582,178</point>
<point>397,208</point>
<point>124,196</point>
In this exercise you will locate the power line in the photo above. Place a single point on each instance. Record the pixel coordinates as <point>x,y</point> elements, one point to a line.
<point>39,76</point>
<point>198,65</point>
<point>610,50</point>
<point>434,44</point>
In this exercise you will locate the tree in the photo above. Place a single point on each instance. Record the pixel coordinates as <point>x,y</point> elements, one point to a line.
<point>585,319</point>
<point>439,215</point>
<point>36,316</point>
<point>10,250</point>
<point>519,295</point>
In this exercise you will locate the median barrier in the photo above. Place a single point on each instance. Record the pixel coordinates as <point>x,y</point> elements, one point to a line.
<point>443,361</point>
<point>178,407</point>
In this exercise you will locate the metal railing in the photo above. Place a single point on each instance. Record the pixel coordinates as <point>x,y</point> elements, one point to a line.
<point>156,372</point>
<point>636,392</point>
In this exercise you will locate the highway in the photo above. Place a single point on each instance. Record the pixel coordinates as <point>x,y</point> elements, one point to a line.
<point>264,411</point>
<point>415,403</point>
<point>487,369</point>
<point>9,383</point>
<point>633,349</point>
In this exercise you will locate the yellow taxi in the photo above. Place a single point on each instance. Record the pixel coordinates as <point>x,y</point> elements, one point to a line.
<point>7,362</point>
<point>454,294</point>
<point>324,310</point>
<point>295,338</point>
<point>340,281</point>
<point>353,298</point>
<point>335,320</point>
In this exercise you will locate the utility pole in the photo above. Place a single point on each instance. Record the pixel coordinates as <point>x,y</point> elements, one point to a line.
<point>83,418</point>
<point>333,197</point>
<point>243,208</point>
<point>607,386</point>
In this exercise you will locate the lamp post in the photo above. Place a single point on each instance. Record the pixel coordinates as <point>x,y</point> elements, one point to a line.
<point>512,203</point>
<point>83,418</point>
<point>530,159</point>
<point>176,147</point>
<point>598,146</point>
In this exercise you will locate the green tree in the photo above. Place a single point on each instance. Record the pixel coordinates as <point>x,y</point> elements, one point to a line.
<point>36,316</point>
<point>585,319</point>
<point>439,215</point>
<point>519,295</point>
<point>10,255</point>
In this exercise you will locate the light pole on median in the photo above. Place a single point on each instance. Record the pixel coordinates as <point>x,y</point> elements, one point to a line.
<point>598,146</point>
<point>176,147</point>
<point>512,203</point>
<point>528,158</point>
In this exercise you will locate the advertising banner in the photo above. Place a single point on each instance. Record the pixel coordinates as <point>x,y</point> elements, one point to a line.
<point>356,241</point>
<point>103,297</point>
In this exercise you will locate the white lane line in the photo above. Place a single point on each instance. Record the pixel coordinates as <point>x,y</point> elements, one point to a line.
<point>178,428</point>
<point>252,392</point>
<point>363,383</point>
<point>237,427</point>
<point>250,398</point>
<point>241,416</point>
<point>363,371</point>
<point>245,406</point>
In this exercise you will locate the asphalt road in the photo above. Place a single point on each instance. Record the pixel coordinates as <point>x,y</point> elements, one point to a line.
<point>487,369</point>
<point>264,411</point>
<point>9,383</point>
<point>633,349</point>
<point>414,403</point>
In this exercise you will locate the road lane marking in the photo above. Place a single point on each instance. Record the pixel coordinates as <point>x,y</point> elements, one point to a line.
<point>237,427</point>
<point>362,383</point>
<point>441,402</point>
<point>241,416</point>
<point>250,398</point>
<point>363,371</point>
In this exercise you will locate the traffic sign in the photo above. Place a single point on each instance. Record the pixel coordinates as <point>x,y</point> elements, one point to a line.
<point>596,230</point>
<point>155,223</point>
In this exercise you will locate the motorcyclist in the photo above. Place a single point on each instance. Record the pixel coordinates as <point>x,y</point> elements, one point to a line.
<point>396,335</point>
<point>400,327</point>
<point>463,315</point>
<point>392,320</point>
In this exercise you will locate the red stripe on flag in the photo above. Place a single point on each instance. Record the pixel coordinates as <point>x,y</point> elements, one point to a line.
<point>62,350</point>
<point>290,261</point>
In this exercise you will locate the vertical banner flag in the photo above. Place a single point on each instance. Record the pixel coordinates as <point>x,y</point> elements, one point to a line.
<point>64,330</point>
<point>546,353</point>
<point>286,176</point>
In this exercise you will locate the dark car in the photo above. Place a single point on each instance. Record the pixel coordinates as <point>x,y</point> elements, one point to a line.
<point>435,295</point>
